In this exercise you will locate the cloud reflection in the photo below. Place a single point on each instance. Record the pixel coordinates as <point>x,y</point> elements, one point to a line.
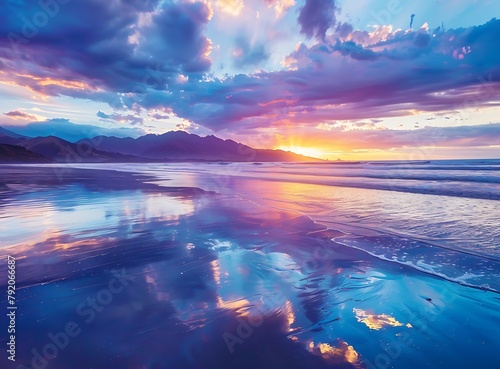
<point>201,270</point>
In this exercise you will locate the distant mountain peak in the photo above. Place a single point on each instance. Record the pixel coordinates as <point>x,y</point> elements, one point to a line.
<point>184,146</point>
<point>171,146</point>
<point>7,133</point>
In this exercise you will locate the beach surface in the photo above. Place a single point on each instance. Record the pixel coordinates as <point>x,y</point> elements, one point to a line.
<point>244,265</point>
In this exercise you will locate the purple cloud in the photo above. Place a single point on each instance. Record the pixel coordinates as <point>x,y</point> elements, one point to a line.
<point>342,80</point>
<point>121,118</point>
<point>159,116</point>
<point>94,45</point>
<point>132,59</point>
<point>316,17</point>
<point>16,114</point>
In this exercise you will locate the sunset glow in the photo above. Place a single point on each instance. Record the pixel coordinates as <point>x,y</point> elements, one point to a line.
<point>269,184</point>
<point>330,80</point>
<point>306,151</point>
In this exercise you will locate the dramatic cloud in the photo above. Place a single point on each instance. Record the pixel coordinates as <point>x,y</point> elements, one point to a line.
<point>84,48</point>
<point>151,60</point>
<point>397,75</point>
<point>66,130</point>
<point>16,114</point>
<point>316,17</point>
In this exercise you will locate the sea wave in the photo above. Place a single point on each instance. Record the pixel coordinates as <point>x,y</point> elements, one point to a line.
<point>457,266</point>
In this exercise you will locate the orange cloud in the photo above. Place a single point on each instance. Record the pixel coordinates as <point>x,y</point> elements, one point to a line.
<point>230,7</point>
<point>280,6</point>
<point>42,85</point>
<point>18,114</point>
<point>47,81</point>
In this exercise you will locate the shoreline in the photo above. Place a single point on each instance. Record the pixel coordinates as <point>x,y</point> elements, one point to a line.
<point>205,266</point>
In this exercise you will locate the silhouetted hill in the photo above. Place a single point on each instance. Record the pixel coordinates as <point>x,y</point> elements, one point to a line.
<point>9,137</point>
<point>63,151</point>
<point>182,146</point>
<point>7,133</point>
<point>174,146</point>
<point>18,154</point>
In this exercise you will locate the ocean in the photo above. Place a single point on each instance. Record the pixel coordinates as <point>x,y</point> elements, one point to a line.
<point>254,265</point>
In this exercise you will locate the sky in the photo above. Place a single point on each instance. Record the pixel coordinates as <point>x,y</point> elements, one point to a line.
<point>335,79</point>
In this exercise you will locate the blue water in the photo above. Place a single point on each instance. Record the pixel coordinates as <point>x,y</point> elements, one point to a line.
<point>224,265</point>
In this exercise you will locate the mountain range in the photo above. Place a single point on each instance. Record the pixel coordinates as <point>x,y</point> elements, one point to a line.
<point>173,146</point>
<point>19,154</point>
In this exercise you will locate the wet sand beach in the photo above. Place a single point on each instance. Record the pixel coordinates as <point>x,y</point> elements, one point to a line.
<point>128,269</point>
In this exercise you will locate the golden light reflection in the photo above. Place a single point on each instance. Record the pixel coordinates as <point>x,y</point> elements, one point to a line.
<point>240,306</point>
<point>216,270</point>
<point>377,321</point>
<point>290,315</point>
<point>74,244</point>
<point>342,351</point>
<point>275,192</point>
